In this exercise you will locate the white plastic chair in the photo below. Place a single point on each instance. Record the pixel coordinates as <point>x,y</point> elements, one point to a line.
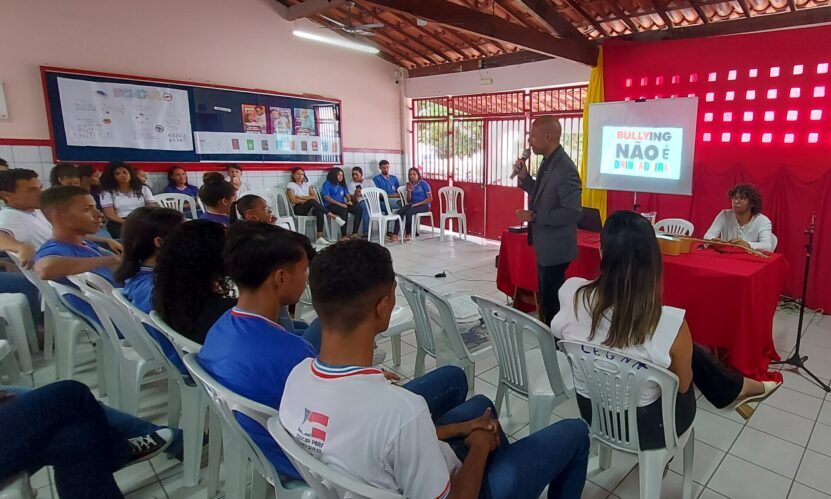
<point>14,308</point>
<point>452,206</point>
<point>326,482</point>
<point>17,487</point>
<point>135,358</point>
<point>675,226</point>
<point>376,200</point>
<point>533,373</point>
<point>239,447</point>
<point>451,349</point>
<point>402,191</point>
<point>8,365</point>
<point>280,209</point>
<point>614,382</point>
<point>774,241</point>
<point>57,318</point>
<point>177,202</point>
<point>301,221</point>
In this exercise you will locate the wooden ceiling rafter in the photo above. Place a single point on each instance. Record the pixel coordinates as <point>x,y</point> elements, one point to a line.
<point>663,14</point>
<point>551,17</point>
<point>432,52</point>
<point>520,57</point>
<point>492,27</point>
<point>473,5</point>
<point>623,17</point>
<point>588,17</point>
<point>696,5</point>
<point>743,6</point>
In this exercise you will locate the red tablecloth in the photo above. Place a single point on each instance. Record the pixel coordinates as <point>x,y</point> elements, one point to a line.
<point>730,299</point>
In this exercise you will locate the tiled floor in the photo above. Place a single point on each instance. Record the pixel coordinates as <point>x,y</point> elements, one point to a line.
<point>784,451</point>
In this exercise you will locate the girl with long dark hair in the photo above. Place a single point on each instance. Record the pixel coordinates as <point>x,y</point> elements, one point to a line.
<point>337,200</point>
<point>302,196</point>
<point>121,193</point>
<point>621,310</point>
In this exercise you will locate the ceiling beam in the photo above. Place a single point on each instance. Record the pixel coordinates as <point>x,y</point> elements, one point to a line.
<point>663,13</point>
<point>496,61</point>
<point>743,6</point>
<point>623,17</point>
<point>696,5</point>
<point>580,10</point>
<point>310,8</point>
<point>816,15</point>
<point>493,27</point>
<point>550,16</point>
<point>432,52</point>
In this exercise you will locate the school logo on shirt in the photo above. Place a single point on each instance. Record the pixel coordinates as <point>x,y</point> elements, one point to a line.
<point>312,431</point>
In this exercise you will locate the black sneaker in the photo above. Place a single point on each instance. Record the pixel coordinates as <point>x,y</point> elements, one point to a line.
<point>148,446</point>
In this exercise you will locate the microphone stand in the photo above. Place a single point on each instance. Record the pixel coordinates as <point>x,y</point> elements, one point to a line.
<point>797,360</point>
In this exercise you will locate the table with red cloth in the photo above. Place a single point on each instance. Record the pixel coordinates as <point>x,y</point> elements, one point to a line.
<point>729,298</point>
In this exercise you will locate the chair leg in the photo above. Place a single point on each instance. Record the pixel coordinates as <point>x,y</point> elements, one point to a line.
<point>419,363</point>
<point>651,473</point>
<point>236,468</point>
<point>214,451</point>
<point>604,453</point>
<point>10,367</point>
<point>17,333</point>
<point>689,457</point>
<point>500,397</point>
<point>539,408</point>
<point>259,486</point>
<point>174,403</point>
<point>395,342</point>
<point>130,377</point>
<point>49,321</point>
<point>192,423</point>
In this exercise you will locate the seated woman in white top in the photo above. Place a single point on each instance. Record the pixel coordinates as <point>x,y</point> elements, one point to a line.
<point>303,199</point>
<point>744,224</point>
<point>121,193</point>
<point>621,310</point>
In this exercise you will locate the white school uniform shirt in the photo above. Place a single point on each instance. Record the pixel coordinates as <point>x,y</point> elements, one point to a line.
<point>757,232</point>
<point>365,183</point>
<point>125,203</point>
<point>569,324</point>
<point>357,422</point>
<point>299,190</point>
<point>29,227</point>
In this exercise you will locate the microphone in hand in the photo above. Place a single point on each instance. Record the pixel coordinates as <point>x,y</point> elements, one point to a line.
<point>520,163</point>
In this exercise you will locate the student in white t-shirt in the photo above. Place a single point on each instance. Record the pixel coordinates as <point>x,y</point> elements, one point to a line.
<point>303,199</point>
<point>350,417</point>
<point>121,193</point>
<point>23,228</point>
<point>634,323</point>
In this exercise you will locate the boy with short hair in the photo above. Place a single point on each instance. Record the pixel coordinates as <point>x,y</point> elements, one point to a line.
<point>347,415</point>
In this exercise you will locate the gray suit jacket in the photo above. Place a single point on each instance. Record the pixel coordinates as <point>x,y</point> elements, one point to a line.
<point>556,198</point>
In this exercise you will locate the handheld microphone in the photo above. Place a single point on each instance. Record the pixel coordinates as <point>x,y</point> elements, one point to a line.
<point>525,155</point>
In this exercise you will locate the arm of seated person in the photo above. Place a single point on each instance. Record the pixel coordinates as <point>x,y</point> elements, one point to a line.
<point>112,244</point>
<point>111,215</point>
<point>462,430</point>
<point>52,268</point>
<point>25,251</point>
<point>681,358</point>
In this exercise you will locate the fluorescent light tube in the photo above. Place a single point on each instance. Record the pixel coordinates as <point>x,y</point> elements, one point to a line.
<point>336,41</point>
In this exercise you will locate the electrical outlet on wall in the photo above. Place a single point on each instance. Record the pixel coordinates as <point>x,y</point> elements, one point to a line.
<point>4,111</point>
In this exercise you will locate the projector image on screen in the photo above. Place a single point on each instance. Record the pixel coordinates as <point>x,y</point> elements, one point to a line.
<point>642,146</point>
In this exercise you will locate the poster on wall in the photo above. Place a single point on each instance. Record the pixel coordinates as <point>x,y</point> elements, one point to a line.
<point>103,114</point>
<point>254,118</point>
<point>280,120</point>
<point>304,121</point>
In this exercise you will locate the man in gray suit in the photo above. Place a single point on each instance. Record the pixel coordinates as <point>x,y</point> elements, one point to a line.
<point>554,208</point>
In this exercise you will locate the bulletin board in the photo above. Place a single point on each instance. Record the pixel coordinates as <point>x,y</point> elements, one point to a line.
<point>107,117</point>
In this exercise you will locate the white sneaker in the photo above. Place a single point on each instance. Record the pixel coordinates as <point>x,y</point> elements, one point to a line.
<point>321,241</point>
<point>341,222</point>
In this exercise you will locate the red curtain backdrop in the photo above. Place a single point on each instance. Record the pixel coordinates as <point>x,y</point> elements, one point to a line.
<point>764,117</point>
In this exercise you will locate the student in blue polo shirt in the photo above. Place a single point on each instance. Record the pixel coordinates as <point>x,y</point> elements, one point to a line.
<point>217,196</point>
<point>420,197</point>
<point>142,235</point>
<point>389,183</point>
<point>72,212</point>
<point>246,350</point>
<point>336,199</point>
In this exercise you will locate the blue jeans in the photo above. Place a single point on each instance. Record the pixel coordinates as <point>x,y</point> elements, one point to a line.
<point>62,425</point>
<point>443,389</point>
<point>15,282</point>
<point>364,216</point>
<point>127,425</point>
<point>556,456</point>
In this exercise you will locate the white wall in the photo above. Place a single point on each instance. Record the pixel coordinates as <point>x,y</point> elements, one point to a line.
<point>554,72</point>
<point>241,43</point>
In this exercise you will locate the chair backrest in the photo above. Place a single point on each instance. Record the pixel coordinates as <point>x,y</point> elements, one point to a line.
<point>183,345</point>
<point>675,226</point>
<point>47,293</point>
<point>281,203</point>
<point>226,403</point>
<point>615,382</point>
<point>507,328</point>
<point>266,194</point>
<point>176,201</point>
<point>98,293</point>
<point>451,200</point>
<point>144,320</point>
<point>774,241</point>
<point>61,290</point>
<point>327,482</point>
<point>376,201</point>
<point>417,297</point>
<point>402,191</point>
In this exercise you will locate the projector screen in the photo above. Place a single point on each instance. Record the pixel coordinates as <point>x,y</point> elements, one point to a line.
<point>642,146</point>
